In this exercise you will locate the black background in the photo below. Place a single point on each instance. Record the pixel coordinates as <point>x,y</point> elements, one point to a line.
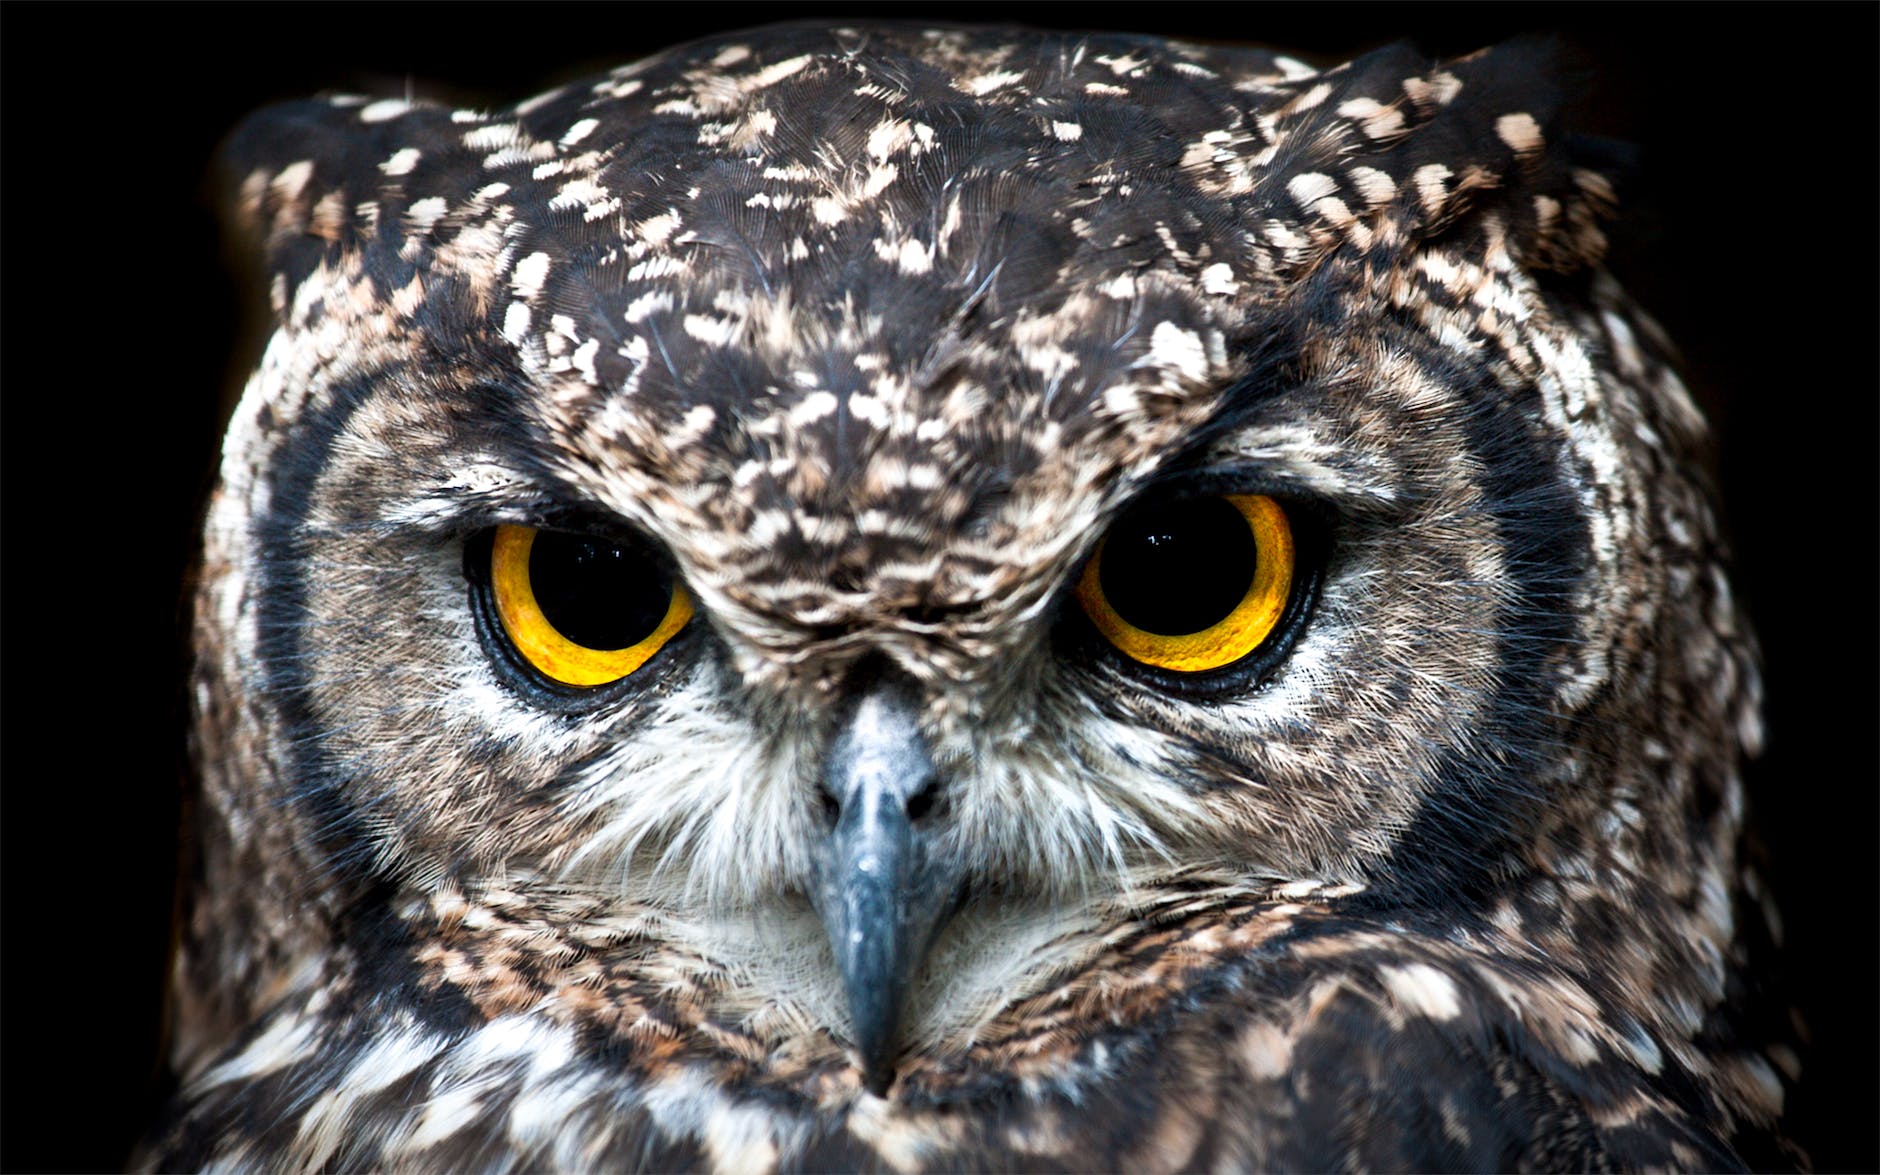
<point>123,322</point>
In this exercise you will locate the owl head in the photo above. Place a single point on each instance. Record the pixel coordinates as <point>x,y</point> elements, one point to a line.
<point>882,505</point>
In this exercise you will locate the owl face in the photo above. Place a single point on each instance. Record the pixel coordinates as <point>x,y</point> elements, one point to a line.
<point>850,497</point>
<point>704,757</point>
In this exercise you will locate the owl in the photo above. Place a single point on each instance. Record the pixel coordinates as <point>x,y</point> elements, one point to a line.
<point>898,598</point>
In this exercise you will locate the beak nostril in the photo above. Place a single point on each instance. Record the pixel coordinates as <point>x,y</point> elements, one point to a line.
<point>920,803</point>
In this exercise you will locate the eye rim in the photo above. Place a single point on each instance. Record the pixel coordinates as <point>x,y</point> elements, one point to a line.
<point>1312,523</point>
<point>529,679</point>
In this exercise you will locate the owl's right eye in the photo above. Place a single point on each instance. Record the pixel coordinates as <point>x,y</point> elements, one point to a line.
<point>582,611</point>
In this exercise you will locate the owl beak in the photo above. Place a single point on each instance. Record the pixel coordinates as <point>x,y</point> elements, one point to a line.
<point>882,885</point>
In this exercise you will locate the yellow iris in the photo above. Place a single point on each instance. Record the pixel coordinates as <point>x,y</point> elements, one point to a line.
<point>545,646</point>
<point>1214,643</point>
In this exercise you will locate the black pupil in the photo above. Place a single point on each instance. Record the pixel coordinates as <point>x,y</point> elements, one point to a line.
<point>1174,568</point>
<point>597,594</point>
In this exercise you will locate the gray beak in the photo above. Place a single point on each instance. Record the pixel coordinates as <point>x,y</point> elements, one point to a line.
<point>882,886</point>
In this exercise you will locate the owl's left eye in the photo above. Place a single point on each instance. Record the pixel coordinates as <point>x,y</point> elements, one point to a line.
<point>1196,584</point>
<point>580,610</point>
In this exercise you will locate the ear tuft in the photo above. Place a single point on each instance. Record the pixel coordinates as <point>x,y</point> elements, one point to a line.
<point>1389,150</point>
<point>1511,121</point>
<point>310,177</point>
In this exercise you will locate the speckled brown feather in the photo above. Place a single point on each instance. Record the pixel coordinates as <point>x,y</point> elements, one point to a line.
<point>874,331</point>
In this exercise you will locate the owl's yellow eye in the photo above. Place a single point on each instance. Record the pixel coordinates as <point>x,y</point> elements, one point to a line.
<point>1193,584</point>
<point>581,610</point>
